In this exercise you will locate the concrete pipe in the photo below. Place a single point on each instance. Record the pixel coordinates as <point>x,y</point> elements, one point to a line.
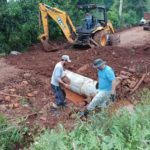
<point>80,84</point>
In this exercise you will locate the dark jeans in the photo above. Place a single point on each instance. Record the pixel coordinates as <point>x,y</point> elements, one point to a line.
<point>59,95</point>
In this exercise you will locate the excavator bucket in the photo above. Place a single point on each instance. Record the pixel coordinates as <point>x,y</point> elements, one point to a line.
<point>49,47</point>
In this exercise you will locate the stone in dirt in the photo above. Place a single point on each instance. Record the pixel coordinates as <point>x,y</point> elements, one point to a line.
<point>27,75</point>
<point>15,105</point>
<point>15,53</point>
<point>132,70</point>
<point>3,107</point>
<point>30,95</point>
<point>146,80</point>
<point>43,118</point>
<point>7,98</point>
<point>24,83</point>
<point>12,91</point>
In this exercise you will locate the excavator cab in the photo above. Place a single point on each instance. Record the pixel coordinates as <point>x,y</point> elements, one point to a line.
<point>95,14</point>
<point>92,31</point>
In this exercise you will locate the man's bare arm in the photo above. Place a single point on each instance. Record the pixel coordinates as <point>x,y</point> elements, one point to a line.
<point>64,84</point>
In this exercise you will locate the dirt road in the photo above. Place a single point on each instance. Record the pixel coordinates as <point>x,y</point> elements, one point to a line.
<point>134,37</point>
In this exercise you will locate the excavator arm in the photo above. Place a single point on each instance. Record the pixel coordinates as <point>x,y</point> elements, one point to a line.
<point>61,18</point>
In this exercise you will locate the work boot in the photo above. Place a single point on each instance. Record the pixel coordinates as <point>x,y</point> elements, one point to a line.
<point>63,104</point>
<point>53,107</point>
<point>84,113</point>
<point>113,97</point>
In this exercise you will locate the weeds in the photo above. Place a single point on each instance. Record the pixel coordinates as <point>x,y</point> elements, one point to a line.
<point>10,135</point>
<point>122,131</point>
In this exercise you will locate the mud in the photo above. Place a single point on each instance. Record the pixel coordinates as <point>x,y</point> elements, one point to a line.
<point>117,57</point>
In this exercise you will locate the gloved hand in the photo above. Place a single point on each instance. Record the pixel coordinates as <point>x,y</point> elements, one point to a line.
<point>112,97</point>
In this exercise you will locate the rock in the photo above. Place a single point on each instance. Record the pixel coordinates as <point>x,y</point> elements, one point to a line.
<point>83,68</point>
<point>76,109</point>
<point>125,67</point>
<point>33,81</point>
<point>113,53</point>
<point>10,106</point>
<point>43,118</point>
<point>73,116</point>
<point>130,108</point>
<point>132,70</point>
<point>146,80</point>
<point>125,73</point>
<point>25,105</point>
<point>15,105</point>
<point>132,84</point>
<point>35,92</point>
<point>15,53</point>
<point>12,91</point>
<point>123,77</point>
<point>27,75</point>
<point>3,107</point>
<point>30,94</point>
<point>25,82</point>
<point>7,98</point>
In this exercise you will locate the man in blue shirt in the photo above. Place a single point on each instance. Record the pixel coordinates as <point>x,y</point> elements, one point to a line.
<point>106,86</point>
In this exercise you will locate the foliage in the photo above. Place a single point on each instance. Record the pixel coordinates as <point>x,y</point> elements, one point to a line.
<point>10,135</point>
<point>19,26</point>
<point>145,96</point>
<point>132,12</point>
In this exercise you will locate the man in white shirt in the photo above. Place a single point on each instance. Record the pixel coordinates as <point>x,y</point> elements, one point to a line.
<point>56,80</point>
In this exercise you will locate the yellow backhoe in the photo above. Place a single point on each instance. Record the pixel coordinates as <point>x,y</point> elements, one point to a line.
<point>95,30</point>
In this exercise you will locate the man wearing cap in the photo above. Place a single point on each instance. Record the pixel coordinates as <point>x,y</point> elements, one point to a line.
<point>56,80</point>
<point>106,86</point>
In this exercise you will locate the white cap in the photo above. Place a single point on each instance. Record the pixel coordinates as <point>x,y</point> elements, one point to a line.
<point>66,58</point>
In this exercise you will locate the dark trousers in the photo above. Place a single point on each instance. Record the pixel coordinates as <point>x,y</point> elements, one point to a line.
<point>59,95</point>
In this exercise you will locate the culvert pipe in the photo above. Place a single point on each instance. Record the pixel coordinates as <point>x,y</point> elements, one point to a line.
<point>80,84</point>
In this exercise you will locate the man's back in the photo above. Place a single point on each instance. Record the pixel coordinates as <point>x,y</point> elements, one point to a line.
<point>57,74</point>
<point>105,78</point>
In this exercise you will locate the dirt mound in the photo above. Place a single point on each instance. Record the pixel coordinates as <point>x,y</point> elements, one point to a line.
<point>28,96</point>
<point>7,71</point>
<point>117,57</point>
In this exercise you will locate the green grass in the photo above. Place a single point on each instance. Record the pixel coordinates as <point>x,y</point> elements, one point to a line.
<point>10,135</point>
<point>122,131</point>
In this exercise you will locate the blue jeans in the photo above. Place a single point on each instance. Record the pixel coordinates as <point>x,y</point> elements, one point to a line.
<point>59,95</point>
<point>100,100</point>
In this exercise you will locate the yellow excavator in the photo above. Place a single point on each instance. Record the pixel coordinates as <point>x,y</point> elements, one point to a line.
<point>95,30</point>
